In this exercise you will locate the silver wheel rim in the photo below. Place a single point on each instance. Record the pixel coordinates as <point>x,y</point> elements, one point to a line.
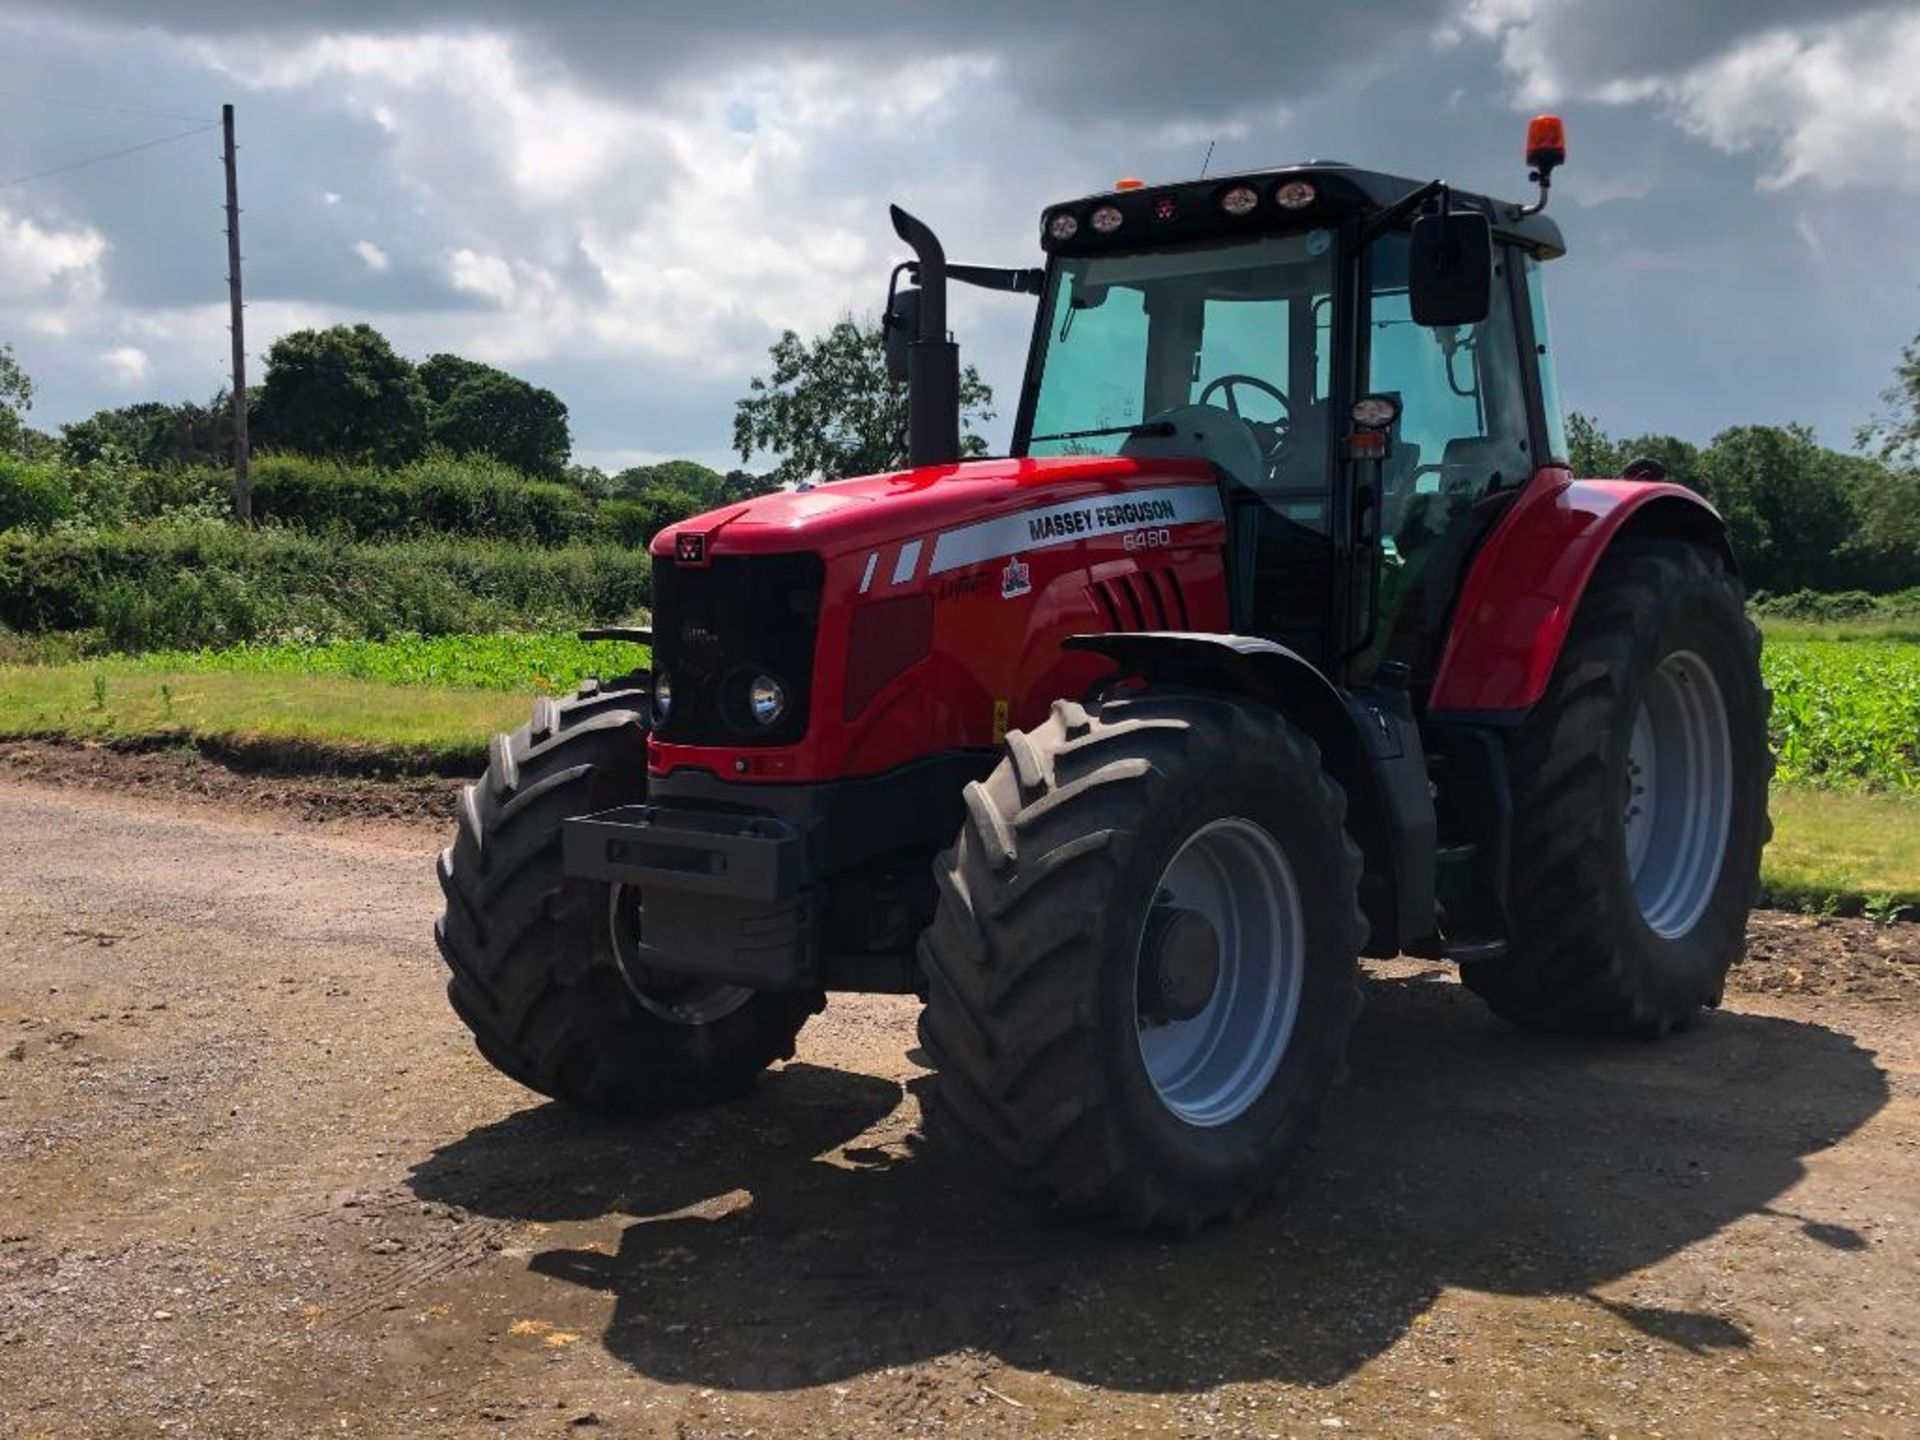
<point>1679,801</point>
<point>683,1001</point>
<point>1209,1068</point>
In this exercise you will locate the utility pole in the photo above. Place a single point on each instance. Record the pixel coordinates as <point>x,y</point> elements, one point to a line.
<point>242,485</point>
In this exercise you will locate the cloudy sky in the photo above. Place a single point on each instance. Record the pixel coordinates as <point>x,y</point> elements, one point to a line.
<point>627,201</point>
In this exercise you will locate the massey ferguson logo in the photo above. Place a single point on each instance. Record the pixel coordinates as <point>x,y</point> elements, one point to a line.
<point>690,549</point>
<point>1099,519</point>
<point>1014,579</point>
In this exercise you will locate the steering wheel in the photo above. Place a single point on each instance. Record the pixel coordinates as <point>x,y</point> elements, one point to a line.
<point>1280,430</point>
<point>1229,381</point>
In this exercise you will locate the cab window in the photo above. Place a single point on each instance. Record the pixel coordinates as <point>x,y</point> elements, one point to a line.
<point>1463,431</point>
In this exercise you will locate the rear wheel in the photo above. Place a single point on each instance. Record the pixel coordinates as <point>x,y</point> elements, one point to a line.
<point>1143,967</point>
<point>1640,804</point>
<point>543,967</point>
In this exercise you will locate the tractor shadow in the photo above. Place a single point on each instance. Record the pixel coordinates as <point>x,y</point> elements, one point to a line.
<point>1461,1153</point>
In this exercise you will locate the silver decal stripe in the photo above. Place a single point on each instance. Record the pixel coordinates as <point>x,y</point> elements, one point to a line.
<point>1076,520</point>
<point>908,562</point>
<point>866,575</point>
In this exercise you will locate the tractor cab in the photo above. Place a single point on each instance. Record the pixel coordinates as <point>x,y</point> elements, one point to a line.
<point>1362,358</point>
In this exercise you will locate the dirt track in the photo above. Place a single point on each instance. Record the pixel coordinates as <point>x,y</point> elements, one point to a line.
<point>254,1181</point>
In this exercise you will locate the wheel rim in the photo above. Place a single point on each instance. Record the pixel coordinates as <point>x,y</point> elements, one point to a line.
<point>679,999</point>
<point>1214,1061</point>
<point>1679,800</point>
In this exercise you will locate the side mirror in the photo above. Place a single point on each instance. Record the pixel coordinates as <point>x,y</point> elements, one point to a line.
<point>900,327</point>
<point>1450,268</point>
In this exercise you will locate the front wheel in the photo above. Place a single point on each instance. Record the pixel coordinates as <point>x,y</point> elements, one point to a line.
<point>544,966</point>
<point>1142,971</point>
<point>1640,804</point>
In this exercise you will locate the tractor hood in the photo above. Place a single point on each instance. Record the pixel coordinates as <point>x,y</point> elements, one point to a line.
<point>846,515</point>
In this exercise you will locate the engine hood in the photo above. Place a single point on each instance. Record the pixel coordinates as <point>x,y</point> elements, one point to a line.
<point>846,515</point>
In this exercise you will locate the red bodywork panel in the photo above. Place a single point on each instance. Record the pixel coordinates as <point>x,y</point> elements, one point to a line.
<point>1526,582</point>
<point>1010,556</point>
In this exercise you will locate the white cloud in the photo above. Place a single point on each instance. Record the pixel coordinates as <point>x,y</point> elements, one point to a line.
<point>43,263</point>
<point>487,276</point>
<point>1828,100</point>
<point>372,256</point>
<point>125,365</point>
<point>1836,106</point>
<point>686,223</point>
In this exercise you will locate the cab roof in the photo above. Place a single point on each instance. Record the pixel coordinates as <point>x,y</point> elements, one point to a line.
<point>1191,209</point>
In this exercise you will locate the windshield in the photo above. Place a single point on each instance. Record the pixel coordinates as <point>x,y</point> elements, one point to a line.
<point>1228,342</point>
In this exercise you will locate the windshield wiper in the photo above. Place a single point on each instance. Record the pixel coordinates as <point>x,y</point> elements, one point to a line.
<point>1147,428</point>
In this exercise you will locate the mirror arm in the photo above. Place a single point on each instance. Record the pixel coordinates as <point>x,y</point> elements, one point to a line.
<point>1396,214</point>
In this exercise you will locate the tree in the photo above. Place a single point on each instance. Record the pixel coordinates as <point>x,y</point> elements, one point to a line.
<point>16,399</point>
<point>1884,551</point>
<point>154,435</point>
<point>1789,504</point>
<point>476,408</point>
<point>830,410</point>
<point>686,478</point>
<point>1894,434</point>
<point>342,392</point>
<point>1589,449</point>
<point>1596,454</point>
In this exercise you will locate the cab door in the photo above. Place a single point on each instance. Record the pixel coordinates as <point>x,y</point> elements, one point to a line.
<point>1467,439</point>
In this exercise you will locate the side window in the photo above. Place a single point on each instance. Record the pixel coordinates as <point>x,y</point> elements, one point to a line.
<point>1549,382</point>
<point>1463,426</point>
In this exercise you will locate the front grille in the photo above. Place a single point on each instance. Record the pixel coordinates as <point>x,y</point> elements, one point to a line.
<point>717,626</point>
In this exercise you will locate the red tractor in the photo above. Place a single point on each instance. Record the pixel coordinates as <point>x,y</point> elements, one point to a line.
<point>1283,636</point>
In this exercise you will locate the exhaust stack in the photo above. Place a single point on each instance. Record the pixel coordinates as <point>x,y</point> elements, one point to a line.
<point>933,361</point>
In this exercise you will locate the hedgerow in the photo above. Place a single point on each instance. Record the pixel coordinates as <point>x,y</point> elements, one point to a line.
<point>203,583</point>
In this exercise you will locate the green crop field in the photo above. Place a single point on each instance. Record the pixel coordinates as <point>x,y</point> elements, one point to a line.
<point>1846,726</point>
<point>536,664</point>
<point>1846,713</point>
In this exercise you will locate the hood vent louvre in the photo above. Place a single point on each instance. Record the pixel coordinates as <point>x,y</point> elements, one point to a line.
<point>1141,600</point>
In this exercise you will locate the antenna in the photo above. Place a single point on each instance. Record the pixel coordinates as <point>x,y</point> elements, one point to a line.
<point>1209,160</point>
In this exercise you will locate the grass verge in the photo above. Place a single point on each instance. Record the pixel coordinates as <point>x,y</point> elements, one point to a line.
<point>417,728</point>
<point>1844,852</point>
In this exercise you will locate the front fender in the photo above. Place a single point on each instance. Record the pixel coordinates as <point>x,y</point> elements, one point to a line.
<point>1520,596</point>
<point>1368,743</point>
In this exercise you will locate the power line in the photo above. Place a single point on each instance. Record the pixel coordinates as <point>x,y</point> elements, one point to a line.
<point>104,109</point>
<point>109,155</point>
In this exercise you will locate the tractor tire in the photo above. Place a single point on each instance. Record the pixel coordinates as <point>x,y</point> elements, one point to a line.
<point>1093,1042</point>
<point>536,957</point>
<point>1640,804</point>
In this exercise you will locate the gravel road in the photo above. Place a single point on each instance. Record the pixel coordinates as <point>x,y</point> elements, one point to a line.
<point>253,1180</point>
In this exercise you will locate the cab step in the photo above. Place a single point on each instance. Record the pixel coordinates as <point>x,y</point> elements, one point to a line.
<point>1467,948</point>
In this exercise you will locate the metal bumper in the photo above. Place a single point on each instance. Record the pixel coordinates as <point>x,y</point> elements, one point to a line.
<point>762,885</point>
<point>727,895</point>
<point>703,852</point>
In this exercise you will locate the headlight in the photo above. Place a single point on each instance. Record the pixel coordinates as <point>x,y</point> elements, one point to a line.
<point>1062,226</point>
<point>765,699</point>
<point>1106,219</point>
<point>662,695</point>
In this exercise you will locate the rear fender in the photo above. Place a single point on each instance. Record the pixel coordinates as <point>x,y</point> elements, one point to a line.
<point>1520,596</point>
<point>1368,743</point>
